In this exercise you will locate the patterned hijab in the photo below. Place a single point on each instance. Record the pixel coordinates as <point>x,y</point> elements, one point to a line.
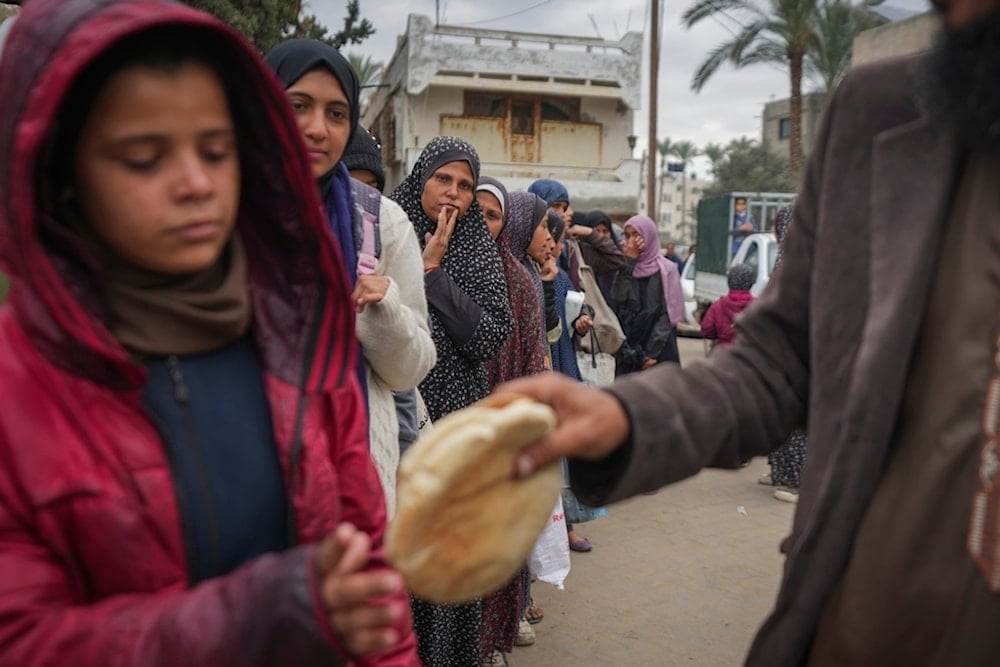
<point>473,264</point>
<point>782,220</point>
<point>526,211</point>
<point>470,228</point>
<point>524,351</point>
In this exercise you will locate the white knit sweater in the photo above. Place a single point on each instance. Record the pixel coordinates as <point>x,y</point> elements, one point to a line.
<point>395,340</point>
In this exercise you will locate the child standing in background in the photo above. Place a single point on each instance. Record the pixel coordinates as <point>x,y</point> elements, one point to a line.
<point>718,321</point>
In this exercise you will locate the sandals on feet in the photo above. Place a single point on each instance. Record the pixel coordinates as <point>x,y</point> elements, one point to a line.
<point>495,658</point>
<point>580,544</point>
<point>534,613</point>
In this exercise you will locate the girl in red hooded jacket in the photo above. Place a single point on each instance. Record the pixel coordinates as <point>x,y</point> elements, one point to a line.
<point>184,470</point>
<point>718,321</point>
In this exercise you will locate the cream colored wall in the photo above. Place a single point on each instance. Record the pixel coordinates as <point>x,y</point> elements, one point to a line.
<point>896,39</point>
<point>812,110</point>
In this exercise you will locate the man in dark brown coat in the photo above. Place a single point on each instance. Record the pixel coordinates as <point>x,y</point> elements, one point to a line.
<point>880,332</point>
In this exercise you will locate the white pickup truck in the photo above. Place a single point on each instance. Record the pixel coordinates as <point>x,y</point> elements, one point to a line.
<point>716,239</point>
<point>759,250</point>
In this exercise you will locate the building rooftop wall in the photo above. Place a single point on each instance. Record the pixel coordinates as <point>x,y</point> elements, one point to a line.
<point>911,35</point>
<point>606,68</point>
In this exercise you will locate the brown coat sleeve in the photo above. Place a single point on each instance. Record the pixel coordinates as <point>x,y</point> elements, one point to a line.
<point>601,254</point>
<point>740,402</point>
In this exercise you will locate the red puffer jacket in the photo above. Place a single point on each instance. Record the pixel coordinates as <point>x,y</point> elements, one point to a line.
<point>92,559</point>
<point>718,321</point>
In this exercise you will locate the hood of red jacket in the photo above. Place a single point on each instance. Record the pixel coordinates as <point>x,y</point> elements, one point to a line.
<point>298,285</point>
<point>734,302</point>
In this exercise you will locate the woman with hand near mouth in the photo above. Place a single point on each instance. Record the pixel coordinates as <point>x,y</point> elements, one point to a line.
<point>470,320</point>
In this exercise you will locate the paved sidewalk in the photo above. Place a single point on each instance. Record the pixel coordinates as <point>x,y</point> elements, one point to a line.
<point>682,577</point>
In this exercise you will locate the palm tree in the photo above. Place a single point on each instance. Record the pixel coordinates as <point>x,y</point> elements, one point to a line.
<point>685,151</point>
<point>770,31</point>
<point>715,154</point>
<point>838,22</point>
<point>665,148</point>
<point>369,73</point>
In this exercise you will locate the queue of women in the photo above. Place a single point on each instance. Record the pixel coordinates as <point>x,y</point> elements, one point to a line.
<point>216,345</point>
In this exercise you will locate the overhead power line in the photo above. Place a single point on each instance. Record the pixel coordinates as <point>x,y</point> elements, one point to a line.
<point>506,16</point>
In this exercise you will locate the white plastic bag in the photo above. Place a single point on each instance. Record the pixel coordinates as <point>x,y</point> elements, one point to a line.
<point>574,304</point>
<point>549,560</point>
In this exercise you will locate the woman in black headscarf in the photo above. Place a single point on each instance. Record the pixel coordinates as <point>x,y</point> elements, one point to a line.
<point>304,67</point>
<point>470,320</point>
<point>601,223</point>
<point>383,260</point>
<point>464,278</point>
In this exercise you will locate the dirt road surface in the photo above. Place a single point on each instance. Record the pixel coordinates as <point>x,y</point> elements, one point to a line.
<point>682,577</point>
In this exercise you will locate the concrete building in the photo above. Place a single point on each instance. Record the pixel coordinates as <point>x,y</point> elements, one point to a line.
<point>679,199</point>
<point>776,123</point>
<point>533,105</point>
<point>902,31</point>
<point>910,35</point>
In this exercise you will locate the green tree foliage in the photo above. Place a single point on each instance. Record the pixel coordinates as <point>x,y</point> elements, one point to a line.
<point>768,31</point>
<point>267,22</point>
<point>309,27</point>
<point>263,22</point>
<point>685,151</point>
<point>665,148</point>
<point>811,38</point>
<point>714,153</point>
<point>369,71</point>
<point>838,22</point>
<point>748,166</point>
<point>355,30</point>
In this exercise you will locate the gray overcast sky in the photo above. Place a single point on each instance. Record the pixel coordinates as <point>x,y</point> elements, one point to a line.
<point>729,105</point>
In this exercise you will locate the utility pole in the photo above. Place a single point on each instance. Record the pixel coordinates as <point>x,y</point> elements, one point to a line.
<point>684,196</point>
<point>654,61</point>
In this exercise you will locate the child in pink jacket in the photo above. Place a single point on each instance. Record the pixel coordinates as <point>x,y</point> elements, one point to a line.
<point>718,321</point>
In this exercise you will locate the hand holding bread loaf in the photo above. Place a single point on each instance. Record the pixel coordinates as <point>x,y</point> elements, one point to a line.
<point>464,525</point>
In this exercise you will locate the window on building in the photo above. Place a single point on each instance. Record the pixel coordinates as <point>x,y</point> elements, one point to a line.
<point>495,105</point>
<point>561,108</point>
<point>522,118</point>
<point>696,191</point>
<point>784,128</point>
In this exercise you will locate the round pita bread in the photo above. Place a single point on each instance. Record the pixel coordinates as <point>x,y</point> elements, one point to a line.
<point>464,526</point>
